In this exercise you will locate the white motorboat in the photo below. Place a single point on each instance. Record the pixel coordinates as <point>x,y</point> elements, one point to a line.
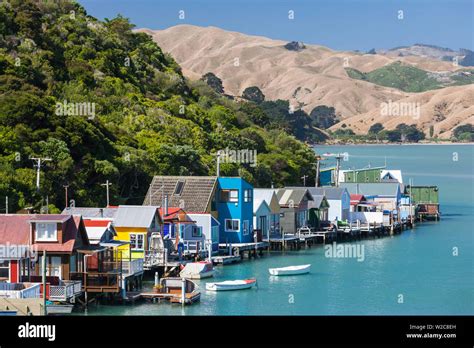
<point>231,285</point>
<point>197,270</point>
<point>290,270</point>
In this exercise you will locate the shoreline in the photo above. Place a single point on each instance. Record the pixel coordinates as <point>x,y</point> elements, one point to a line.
<point>392,144</point>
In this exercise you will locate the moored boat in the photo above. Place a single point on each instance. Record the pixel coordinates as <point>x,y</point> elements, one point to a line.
<point>231,285</point>
<point>290,270</point>
<point>197,270</point>
<point>59,309</point>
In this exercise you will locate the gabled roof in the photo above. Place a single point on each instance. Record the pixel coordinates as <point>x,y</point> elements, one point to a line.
<point>258,204</point>
<point>97,227</point>
<point>332,193</point>
<point>73,229</point>
<point>392,174</point>
<point>295,195</point>
<point>267,195</point>
<point>91,212</point>
<point>15,229</point>
<point>357,198</point>
<point>192,193</point>
<point>318,200</point>
<point>372,189</point>
<point>135,216</point>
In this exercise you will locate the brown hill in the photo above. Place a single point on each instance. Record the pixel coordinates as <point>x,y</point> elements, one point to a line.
<point>314,76</point>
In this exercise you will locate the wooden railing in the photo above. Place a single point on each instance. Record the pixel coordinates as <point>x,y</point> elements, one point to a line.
<point>98,280</point>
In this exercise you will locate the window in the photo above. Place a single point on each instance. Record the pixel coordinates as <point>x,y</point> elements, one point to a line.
<point>248,195</point>
<point>197,231</point>
<point>5,269</point>
<point>229,195</point>
<point>246,227</point>
<point>136,241</point>
<point>232,225</point>
<point>179,187</point>
<point>215,234</point>
<point>53,266</point>
<point>46,232</point>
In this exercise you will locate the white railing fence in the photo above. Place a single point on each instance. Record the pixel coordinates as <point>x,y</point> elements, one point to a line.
<point>8,290</point>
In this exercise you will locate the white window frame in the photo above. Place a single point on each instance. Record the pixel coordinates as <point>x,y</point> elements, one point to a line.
<point>54,238</point>
<point>247,195</point>
<point>246,229</point>
<point>233,220</point>
<point>134,245</point>
<point>232,199</point>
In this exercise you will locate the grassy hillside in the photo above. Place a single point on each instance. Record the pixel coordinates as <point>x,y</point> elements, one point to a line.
<point>411,79</point>
<point>148,119</point>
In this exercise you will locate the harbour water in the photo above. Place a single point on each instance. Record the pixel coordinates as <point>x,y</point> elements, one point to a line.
<point>416,272</point>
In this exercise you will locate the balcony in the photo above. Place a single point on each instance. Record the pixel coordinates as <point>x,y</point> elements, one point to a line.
<point>98,281</point>
<point>132,267</point>
<point>20,290</point>
<point>64,292</point>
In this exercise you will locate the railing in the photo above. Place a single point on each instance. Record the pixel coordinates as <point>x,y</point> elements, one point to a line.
<point>194,246</point>
<point>64,292</point>
<point>155,258</point>
<point>8,290</point>
<point>132,267</point>
<point>97,280</point>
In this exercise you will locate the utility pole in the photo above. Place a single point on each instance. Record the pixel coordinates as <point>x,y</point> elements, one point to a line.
<point>218,169</point>
<point>317,165</point>
<point>107,184</point>
<point>38,169</point>
<point>6,204</point>
<point>65,189</point>
<point>304,179</point>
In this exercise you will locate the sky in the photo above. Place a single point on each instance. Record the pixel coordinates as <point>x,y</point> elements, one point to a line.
<point>338,24</point>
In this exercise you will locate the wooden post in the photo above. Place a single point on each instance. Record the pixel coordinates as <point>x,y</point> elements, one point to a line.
<point>183,291</point>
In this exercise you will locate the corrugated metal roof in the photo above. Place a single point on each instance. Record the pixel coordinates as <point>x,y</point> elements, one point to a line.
<point>372,189</point>
<point>334,193</point>
<point>294,195</point>
<point>91,212</point>
<point>260,195</point>
<point>135,216</point>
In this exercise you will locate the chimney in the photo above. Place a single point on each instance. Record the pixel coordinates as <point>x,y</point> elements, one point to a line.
<point>101,210</point>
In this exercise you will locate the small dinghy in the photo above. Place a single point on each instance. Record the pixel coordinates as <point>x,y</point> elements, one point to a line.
<point>290,270</point>
<point>197,270</point>
<point>231,285</point>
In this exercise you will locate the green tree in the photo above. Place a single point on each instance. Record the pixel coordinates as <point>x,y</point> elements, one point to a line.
<point>253,94</point>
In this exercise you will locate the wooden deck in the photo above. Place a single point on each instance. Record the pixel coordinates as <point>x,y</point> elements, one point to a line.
<point>226,259</point>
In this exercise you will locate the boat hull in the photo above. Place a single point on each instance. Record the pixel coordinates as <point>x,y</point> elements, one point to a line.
<point>202,275</point>
<point>289,271</point>
<point>229,286</point>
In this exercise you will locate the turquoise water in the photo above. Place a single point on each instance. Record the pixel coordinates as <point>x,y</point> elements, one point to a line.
<point>418,264</point>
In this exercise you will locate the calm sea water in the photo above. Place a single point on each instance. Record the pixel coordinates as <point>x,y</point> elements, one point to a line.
<point>418,264</point>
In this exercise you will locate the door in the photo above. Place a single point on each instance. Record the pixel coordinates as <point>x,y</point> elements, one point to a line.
<point>263,225</point>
